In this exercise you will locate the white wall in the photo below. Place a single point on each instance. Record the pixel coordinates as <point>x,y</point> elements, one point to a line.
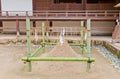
<point>16,5</point>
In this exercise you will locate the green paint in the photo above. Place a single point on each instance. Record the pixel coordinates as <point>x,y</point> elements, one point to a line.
<point>82,36</point>
<point>28,41</point>
<point>81,45</point>
<point>50,43</point>
<point>88,42</point>
<point>43,36</point>
<point>71,44</point>
<point>57,59</point>
<point>37,50</point>
<point>85,48</point>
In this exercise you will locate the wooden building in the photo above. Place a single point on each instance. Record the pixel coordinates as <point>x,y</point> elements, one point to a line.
<point>59,13</point>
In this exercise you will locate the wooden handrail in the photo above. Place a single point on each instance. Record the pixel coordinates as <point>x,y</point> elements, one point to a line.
<point>66,11</point>
<point>61,13</point>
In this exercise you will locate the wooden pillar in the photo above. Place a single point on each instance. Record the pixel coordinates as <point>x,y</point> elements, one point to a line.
<point>84,2</point>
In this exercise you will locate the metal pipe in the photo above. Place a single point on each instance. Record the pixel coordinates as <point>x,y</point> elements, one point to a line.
<point>28,41</point>
<point>57,59</point>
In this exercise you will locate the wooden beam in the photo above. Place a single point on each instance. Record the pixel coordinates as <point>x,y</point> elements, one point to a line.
<point>84,2</point>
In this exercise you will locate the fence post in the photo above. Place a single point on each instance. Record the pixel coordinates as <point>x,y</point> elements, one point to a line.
<point>88,42</point>
<point>82,36</point>
<point>28,42</point>
<point>43,36</point>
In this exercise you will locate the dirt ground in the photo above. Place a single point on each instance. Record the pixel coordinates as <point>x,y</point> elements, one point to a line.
<point>11,66</point>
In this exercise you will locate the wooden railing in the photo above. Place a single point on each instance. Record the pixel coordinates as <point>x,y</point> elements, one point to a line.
<point>58,29</point>
<point>61,14</point>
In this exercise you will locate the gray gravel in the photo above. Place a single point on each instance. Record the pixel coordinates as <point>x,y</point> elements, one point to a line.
<point>109,55</point>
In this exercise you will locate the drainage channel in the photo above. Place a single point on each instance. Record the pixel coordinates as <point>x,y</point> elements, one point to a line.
<point>109,55</point>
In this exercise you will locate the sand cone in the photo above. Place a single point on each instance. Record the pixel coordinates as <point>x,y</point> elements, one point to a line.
<point>62,67</point>
<point>63,50</point>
